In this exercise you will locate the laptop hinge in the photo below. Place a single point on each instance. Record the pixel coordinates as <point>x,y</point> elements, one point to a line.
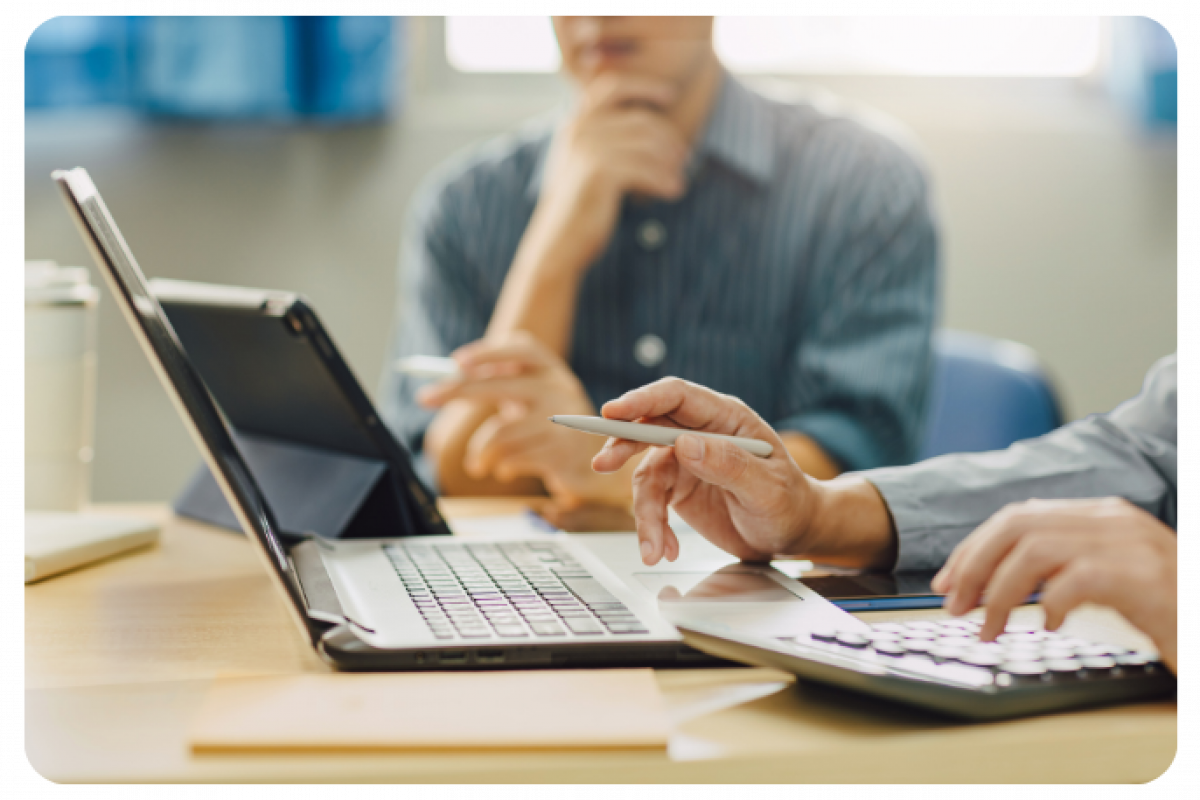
<point>320,597</point>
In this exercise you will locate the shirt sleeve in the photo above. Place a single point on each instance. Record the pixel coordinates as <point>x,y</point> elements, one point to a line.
<point>440,307</point>
<point>858,379</point>
<point>1130,452</point>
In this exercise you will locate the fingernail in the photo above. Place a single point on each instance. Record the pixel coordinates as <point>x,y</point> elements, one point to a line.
<point>690,447</point>
<point>647,549</point>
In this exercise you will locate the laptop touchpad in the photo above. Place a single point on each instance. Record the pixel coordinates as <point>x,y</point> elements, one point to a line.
<point>714,587</point>
<point>743,598</point>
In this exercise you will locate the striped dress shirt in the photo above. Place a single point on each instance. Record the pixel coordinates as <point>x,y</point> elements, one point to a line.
<point>798,272</point>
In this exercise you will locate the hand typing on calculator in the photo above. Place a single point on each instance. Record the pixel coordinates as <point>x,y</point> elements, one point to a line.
<point>1105,551</point>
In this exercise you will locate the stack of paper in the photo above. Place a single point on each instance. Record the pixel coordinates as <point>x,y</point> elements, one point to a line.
<point>524,710</point>
<point>56,542</point>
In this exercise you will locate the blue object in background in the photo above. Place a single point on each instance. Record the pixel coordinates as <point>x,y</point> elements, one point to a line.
<point>77,61</point>
<point>986,394</point>
<point>324,68</point>
<point>1143,71</point>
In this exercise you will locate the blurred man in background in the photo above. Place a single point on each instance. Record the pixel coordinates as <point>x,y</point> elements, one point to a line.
<point>672,223</point>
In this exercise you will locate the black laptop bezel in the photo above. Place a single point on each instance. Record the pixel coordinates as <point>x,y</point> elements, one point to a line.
<point>184,386</point>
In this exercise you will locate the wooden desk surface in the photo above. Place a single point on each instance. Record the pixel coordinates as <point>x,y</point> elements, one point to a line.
<point>118,655</point>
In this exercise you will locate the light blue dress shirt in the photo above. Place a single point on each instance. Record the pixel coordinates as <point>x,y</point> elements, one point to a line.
<point>798,272</point>
<point>1132,452</point>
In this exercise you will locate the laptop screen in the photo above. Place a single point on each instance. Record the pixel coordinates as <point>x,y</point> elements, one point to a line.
<point>192,399</point>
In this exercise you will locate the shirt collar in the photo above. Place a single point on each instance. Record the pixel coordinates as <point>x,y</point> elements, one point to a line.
<point>738,133</point>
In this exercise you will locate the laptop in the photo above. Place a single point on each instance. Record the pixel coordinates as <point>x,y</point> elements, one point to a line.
<point>400,601</point>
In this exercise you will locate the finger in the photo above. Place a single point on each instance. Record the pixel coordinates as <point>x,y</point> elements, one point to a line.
<point>615,453</point>
<point>1082,581</point>
<point>437,394</point>
<point>482,434</point>
<point>494,442</point>
<point>518,347</point>
<point>652,483</point>
<point>691,406</point>
<point>1034,559</point>
<point>722,464</point>
<point>615,90</point>
<point>670,545</point>
<point>990,543</point>
<point>944,579</point>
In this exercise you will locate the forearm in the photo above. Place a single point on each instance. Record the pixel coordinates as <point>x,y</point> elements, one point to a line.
<point>810,456</point>
<point>541,289</point>
<point>849,525</point>
<point>446,447</point>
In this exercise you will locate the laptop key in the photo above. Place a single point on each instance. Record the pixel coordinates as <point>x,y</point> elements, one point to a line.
<point>511,631</point>
<point>589,590</point>
<point>627,628</point>
<point>547,629</point>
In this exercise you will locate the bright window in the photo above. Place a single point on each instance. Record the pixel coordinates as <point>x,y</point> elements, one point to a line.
<point>998,46</point>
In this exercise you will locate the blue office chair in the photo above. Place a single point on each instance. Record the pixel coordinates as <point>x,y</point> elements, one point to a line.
<point>986,394</point>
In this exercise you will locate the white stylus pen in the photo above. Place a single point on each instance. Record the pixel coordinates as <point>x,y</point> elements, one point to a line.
<point>652,434</point>
<point>428,367</point>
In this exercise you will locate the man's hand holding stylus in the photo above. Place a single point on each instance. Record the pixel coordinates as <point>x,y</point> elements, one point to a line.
<point>754,508</point>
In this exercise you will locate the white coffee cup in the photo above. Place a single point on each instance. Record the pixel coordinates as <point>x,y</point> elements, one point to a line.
<point>60,385</point>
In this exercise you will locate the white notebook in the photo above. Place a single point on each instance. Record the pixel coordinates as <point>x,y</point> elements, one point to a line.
<point>56,542</point>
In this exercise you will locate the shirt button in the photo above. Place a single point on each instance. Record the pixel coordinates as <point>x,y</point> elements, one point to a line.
<point>650,350</point>
<point>651,234</point>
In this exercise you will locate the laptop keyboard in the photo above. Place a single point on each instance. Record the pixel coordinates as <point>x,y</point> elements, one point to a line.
<point>509,590</point>
<point>951,649</point>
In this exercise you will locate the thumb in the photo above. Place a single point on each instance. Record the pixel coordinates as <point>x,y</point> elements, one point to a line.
<point>722,464</point>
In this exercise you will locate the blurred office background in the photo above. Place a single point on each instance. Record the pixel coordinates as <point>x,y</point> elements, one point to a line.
<point>283,153</point>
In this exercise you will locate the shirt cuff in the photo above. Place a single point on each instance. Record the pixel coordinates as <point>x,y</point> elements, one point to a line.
<point>924,537</point>
<point>839,435</point>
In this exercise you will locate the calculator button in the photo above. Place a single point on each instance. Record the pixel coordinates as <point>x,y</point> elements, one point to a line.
<point>1071,642</point>
<point>1022,653</point>
<point>956,641</point>
<point>947,653</point>
<point>922,625</point>
<point>981,659</point>
<point>1063,665</point>
<point>959,624</point>
<point>917,645</point>
<point>1098,662</point>
<point>1057,654</point>
<point>890,648</point>
<point>850,639</point>
<point>826,635</point>
<point>921,634</point>
<point>1098,650</point>
<point>1023,667</point>
<point>1018,638</point>
<point>1134,659</point>
<point>889,627</point>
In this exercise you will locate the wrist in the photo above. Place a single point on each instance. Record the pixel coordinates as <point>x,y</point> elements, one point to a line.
<point>847,523</point>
